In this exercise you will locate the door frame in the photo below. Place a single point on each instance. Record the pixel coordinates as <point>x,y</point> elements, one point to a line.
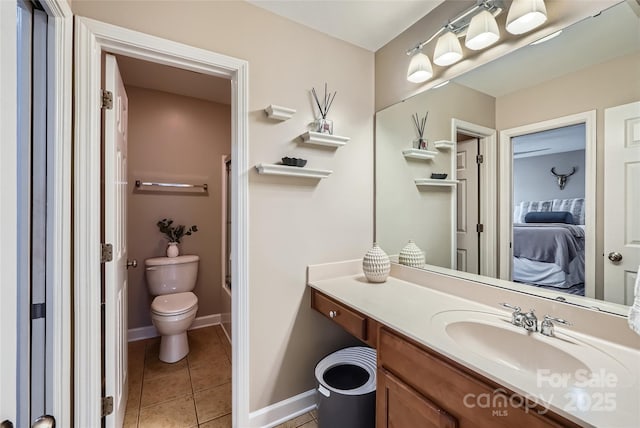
<point>60,30</point>
<point>92,38</point>
<point>506,190</point>
<point>488,198</point>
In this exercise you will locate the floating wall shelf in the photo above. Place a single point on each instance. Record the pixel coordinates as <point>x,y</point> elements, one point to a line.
<point>322,139</point>
<point>419,154</point>
<point>435,182</point>
<point>279,112</point>
<point>444,144</point>
<point>291,171</point>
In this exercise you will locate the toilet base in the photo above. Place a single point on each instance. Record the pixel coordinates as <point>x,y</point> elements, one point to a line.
<point>173,347</point>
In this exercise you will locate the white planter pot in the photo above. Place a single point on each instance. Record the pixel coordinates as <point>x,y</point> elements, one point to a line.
<point>411,255</point>
<point>376,264</point>
<point>173,250</point>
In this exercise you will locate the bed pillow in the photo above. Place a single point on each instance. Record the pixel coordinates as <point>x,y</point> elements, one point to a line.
<point>549,217</point>
<point>574,205</point>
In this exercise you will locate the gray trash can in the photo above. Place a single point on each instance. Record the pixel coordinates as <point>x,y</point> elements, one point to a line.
<point>347,388</point>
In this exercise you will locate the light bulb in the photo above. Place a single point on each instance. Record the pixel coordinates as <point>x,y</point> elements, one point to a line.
<point>483,31</point>
<point>420,69</point>
<point>525,15</point>
<point>448,50</point>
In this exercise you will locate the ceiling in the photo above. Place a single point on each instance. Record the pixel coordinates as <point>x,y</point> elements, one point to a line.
<point>370,24</point>
<point>558,140</point>
<point>148,75</point>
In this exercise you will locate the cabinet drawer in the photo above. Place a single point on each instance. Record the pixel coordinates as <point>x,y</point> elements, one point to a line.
<point>468,397</point>
<point>350,320</point>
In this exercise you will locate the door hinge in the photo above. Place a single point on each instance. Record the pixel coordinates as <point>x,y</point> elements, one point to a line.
<point>107,99</point>
<point>479,228</point>
<point>106,253</point>
<point>107,405</point>
<point>38,310</point>
<point>479,159</point>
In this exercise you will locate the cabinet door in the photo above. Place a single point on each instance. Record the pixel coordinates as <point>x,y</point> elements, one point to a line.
<point>400,406</point>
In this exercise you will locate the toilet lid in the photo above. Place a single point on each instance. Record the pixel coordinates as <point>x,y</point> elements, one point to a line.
<point>174,304</point>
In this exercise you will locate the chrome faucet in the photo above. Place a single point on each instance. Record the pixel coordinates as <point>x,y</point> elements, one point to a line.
<point>530,321</point>
<point>527,321</point>
<point>546,327</point>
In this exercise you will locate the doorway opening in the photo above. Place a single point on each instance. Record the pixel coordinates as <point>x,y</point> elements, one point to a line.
<point>93,39</point>
<point>549,209</point>
<point>468,225</point>
<point>475,237</point>
<point>582,124</point>
<point>170,128</point>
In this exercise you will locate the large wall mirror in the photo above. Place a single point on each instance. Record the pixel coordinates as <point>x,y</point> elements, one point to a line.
<point>541,151</point>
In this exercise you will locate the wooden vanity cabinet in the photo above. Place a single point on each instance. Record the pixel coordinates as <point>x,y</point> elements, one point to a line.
<point>419,388</point>
<point>444,393</point>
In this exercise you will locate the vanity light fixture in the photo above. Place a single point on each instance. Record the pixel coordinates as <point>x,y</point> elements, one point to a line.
<point>479,27</point>
<point>525,15</point>
<point>420,69</point>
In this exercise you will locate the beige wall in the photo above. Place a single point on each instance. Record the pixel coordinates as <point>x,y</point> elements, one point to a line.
<point>293,223</point>
<point>605,85</point>
<point>403,210</point>
<point>392,62</point>
<point>175,139</point>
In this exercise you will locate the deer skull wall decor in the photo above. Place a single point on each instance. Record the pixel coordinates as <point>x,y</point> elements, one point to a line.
<point>562,178</point>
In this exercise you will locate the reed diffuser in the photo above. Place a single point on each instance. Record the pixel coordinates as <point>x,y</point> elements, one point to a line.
<point>420,124</point>
<point>323,124</point>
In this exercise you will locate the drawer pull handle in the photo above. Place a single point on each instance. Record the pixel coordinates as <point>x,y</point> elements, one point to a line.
<point>333,314</point>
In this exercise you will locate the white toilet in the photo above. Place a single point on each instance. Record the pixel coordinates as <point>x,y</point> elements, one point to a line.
<point>172,279</point>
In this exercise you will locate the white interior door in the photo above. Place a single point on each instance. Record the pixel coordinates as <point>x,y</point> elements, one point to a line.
<point>115,230</point>
<point>466,234</point>
<point>621,201</point>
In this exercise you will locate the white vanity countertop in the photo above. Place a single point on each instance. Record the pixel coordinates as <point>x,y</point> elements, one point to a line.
<point>611,396</point>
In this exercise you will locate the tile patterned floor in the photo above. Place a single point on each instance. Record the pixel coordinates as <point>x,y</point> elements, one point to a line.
<point>194,392</point>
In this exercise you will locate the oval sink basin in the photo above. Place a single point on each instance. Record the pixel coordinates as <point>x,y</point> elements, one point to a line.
<point>513,348</point>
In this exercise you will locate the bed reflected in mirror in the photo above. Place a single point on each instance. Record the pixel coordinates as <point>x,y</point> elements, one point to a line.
<point>549,209</point>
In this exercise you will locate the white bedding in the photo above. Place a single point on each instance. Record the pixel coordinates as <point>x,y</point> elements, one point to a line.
<point>548,274</point>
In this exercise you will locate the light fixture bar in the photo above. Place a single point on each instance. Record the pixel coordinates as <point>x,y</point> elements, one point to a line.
<point>460,23</point>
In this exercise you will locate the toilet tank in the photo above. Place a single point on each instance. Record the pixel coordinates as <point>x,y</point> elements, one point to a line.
<point>168,275</point>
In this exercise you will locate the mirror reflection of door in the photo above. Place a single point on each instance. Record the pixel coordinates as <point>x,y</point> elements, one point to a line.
<point>549,209</point>
<point>468,204</point>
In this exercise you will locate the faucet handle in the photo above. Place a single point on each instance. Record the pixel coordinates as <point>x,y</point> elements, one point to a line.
<point>516,309</point>
<point>516,316</point>
<point>546,327</point>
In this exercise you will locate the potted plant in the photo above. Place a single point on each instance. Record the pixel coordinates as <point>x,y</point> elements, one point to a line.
<point>174,234</point>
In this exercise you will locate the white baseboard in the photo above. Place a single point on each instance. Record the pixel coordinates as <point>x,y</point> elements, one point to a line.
<point>284,410</point>
<point>205,321</point>
<point>150,331</point>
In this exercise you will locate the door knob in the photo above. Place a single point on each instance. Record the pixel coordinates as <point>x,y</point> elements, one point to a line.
<point>132,263</point>
<point>44,421</point>
<point>615,256</point>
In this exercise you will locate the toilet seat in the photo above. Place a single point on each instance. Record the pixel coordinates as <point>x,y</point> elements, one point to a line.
<point>174,304</point>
